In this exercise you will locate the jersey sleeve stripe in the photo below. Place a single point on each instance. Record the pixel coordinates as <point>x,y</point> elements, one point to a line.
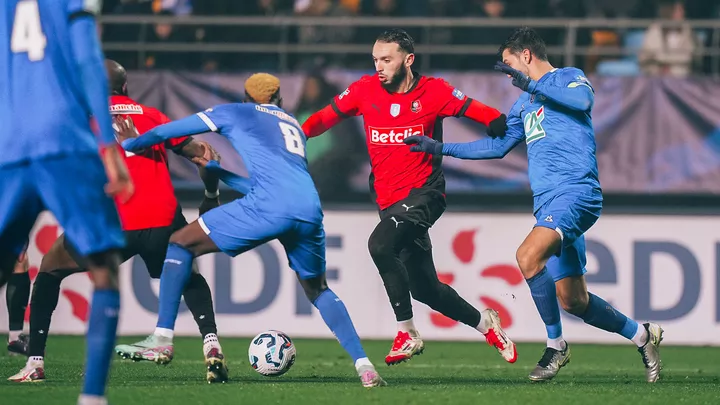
<point>576,84</point>
<point>208,121</point>
<point>81,13</point>
<point>337,110</point>
<point>465,107</point>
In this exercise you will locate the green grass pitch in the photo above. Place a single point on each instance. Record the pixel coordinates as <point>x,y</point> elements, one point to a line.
<point>448,373</point>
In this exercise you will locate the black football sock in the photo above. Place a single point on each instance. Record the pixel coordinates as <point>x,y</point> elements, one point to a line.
<point>46,293</point>
<point>17,295</point>
<point>198,299</point>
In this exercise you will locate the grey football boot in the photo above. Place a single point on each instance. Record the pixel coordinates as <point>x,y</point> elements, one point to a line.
<point>550,364</point>
<point>650,352</point>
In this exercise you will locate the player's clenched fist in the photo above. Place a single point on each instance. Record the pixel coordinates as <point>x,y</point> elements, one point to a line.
<point>424,144</point>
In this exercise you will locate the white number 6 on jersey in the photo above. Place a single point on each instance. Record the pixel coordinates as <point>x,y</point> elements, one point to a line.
<point>293,139</point>
<point>27,34</point>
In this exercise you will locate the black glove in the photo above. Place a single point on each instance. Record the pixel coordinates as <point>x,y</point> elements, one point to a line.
<point>425,144</point>
<point>208,204</point>
<point>497,127</point>
<point>519,79</point>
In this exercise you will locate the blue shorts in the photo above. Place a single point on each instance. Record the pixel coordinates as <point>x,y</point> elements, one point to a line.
<point>237,227</point>
<point>571,214</point>
<point>72,188</point>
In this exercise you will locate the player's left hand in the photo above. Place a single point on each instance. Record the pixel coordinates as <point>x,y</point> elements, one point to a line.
<point>497,127</point>
<point>519,79</point>
<point>424,144</point>
<point>124,128</point>
<point>209,154</point>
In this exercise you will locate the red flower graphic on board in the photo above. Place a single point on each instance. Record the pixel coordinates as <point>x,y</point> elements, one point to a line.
<point>464,248</point>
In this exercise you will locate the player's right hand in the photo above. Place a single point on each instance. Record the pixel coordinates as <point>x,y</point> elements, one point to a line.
<point>421,143</point>
<point>119,184</point>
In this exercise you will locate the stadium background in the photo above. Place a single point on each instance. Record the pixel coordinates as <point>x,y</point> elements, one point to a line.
<point>655,253</point>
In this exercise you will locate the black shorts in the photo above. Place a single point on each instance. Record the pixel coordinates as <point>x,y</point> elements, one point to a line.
<point>150,244</point>
<point>422,207</point>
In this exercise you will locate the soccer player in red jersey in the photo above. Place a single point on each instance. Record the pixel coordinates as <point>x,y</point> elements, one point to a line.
<point>395,103</point>
<point>148,219</point>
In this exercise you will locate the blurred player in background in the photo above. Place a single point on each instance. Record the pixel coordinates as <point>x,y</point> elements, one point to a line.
<point>409,189</point>
<point>282,204</point>
<point>148,219</point>
<point>17,294</point>
<point>553,117</point>
<point>52,81</point>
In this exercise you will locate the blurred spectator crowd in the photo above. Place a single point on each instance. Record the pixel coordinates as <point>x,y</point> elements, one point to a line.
<point>660,50</point>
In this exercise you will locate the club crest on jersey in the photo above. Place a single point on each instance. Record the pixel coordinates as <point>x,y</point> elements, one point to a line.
<point>394,110</point>
<point>533,125</point>
<point>416,106</point>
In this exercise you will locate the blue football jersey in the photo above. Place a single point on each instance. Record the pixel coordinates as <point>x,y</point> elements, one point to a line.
<point>560,141</point>
<point>272,145</point>
<point>43,109</point>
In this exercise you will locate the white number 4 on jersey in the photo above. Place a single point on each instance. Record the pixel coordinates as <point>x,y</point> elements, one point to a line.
<point>27,34</point>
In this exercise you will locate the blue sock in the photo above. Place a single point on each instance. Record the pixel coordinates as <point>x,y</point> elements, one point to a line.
<point>175,275</point>
<point>337,318</point>
<point>100,340</point>
<point>602,315</point>
<point>542,288</point>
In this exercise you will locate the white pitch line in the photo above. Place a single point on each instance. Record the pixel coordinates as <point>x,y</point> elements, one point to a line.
<point>584,367</point>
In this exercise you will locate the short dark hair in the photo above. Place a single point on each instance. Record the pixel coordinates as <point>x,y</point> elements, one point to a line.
<point>398,36</point>
<point>525,38</point>
<point>117,77</point>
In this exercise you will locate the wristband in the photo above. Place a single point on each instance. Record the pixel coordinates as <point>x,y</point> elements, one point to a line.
<point>216,194</point>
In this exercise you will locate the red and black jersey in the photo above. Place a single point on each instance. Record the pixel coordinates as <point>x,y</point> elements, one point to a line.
<point>389,118</point>
<point>153,204</point>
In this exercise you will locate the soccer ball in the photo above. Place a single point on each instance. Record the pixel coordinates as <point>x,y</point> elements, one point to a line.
<point>271,353</point>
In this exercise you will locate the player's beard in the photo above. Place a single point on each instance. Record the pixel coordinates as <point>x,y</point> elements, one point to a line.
<point>394,82</point>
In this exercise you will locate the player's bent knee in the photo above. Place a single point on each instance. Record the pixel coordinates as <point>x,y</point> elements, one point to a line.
<point>573,303</point>
<point>313,287</point>
<point>529,260</point>
<point>380,244</point>
<point>193,238</point>
<point>425,293</point>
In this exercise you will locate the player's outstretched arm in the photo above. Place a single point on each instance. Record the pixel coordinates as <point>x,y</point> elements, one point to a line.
<point>321,121</point>
<point>489,148</point>
<point>90,63</point>
<point>187,126</point>
<point>575,96</point>
<point>492,148</point>
<point>343,105</point>
<point>490,117</point>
